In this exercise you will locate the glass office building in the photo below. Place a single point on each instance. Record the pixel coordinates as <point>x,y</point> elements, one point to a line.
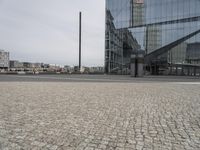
<point>168,31</point>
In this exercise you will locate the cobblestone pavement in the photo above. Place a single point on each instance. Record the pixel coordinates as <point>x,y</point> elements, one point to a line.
<point>99,116</point>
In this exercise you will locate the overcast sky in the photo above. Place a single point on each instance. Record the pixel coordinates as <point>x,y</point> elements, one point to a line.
<point>47,30</point>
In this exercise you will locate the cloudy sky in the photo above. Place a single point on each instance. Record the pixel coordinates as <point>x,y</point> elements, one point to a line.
<point>47,30</point>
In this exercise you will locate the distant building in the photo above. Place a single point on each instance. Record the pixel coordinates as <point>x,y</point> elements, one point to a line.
<point>68,69</point>
<point>45,66</point>
<point>16,64</point>
<point>4,59</point>
<point>54,68</point>
<point>37,65</point>
<point>96,69</point>
<point>27,65</point>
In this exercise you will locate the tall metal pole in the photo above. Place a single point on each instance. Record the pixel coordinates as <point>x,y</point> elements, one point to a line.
<point>80,15</point>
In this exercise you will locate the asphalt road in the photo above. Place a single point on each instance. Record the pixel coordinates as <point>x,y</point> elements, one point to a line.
<point>94,78</point>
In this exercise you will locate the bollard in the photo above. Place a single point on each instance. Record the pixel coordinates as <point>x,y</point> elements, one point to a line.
<point>137,63</point>
<point>133,65</point>
<point>140,65</point>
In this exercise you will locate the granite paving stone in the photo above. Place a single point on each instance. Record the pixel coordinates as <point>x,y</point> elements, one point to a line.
<point>99,116</point>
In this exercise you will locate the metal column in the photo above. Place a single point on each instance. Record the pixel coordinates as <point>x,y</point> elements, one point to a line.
<point>80,15</point>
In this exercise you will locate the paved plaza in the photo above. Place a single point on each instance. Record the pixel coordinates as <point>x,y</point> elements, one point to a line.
<point>99,115</point>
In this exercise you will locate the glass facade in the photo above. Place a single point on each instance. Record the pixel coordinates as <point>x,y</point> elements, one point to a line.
<point>167,30</point>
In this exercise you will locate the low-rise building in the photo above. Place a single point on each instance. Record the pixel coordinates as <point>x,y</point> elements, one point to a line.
<point>45,66</point>
<point>68,69</point>
<point>37,65</point>
<point>54,68</point>
<point>27,65</point>
<point>16,64</point>
<point>96,69</point>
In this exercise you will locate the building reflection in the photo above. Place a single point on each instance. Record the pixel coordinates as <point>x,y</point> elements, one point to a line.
<point>168,31</point>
